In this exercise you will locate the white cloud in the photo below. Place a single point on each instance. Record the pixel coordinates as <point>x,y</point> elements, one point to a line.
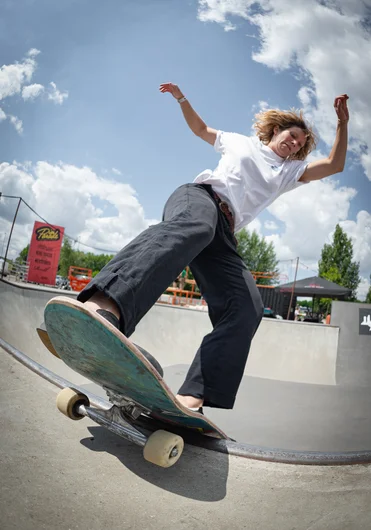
<point>270,225</point>
<point>116,171</point>
<point>66,195</point>
<point>15,79</point>
<point>18,124</point>
<point>262,105</point>
<point>255,226</point>
<point>328,42</point>
<point>32,91</point>
<point>363,288</point>
<point>33,52</point>
<point>309,214</point>
<point>229,26</point>
<point>56,95</point>
<point>360,233</point>
<point>13,76</point>
<point>219,10</point>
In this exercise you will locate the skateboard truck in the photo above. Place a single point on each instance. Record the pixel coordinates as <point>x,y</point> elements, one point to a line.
<point>162,448</point>
<point>128,406</point>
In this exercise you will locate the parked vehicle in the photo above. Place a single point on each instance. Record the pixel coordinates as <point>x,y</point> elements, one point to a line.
<point>6,268</point>
<point>62,283</point>
<point>269,313</point>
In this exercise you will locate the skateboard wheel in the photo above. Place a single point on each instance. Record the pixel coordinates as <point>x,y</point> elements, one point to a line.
<point>68,400</point>
<point>163,448</point>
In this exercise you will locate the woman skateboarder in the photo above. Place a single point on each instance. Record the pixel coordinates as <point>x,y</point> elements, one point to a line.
<point>199,221</point>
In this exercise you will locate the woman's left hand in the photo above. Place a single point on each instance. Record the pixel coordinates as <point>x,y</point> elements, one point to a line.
<point>341,107</point>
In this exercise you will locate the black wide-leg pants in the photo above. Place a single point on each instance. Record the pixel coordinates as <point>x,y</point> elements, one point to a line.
<point>194,232</point>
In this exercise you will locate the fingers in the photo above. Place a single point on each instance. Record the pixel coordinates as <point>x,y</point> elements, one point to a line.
<point>167,87</point>
<point>341,107</point>
<point>341,99</point>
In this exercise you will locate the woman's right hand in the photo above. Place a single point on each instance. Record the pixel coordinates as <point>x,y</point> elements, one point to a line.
<point>341,107</point>
<point>172,89</point>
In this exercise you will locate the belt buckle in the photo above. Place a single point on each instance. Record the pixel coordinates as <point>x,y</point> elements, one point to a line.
<point>225,209</point>
<point>224,206</point>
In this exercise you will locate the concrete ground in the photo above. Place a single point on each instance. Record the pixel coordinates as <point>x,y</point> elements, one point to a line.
<point>62,475</point>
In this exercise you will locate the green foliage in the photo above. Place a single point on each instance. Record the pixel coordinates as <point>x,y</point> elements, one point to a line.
<point>305,303</point>
<point>332,275</point>
<point>336,263</point>
<point>69,257</point>
<point>66,257</point>
<point>77,258</point>
<point>23,255</point>
<point>258,255</point>
<point>368,296</point>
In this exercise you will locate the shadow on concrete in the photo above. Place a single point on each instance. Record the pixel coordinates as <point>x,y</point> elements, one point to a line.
<point>199,474</point>
<point>292,416</point>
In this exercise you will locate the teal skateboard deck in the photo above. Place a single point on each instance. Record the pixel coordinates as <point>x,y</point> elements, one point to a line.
<point>91,346</point>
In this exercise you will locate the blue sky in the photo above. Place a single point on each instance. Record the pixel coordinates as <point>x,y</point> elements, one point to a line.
<point>104,111</point>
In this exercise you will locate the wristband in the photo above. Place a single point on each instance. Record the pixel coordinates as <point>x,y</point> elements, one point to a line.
<point>343,121</point>
<point>182,99</point>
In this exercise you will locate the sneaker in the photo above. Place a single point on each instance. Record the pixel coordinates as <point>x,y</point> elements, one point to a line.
<point>200,410</point>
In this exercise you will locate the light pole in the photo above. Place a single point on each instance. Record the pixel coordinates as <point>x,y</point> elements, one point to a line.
<point>293,289</point>
<point>11,230</point>
<point>2,247</point>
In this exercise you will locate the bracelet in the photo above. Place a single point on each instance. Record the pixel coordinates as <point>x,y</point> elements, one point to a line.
<point>181,100</point>
<point>343,121</point>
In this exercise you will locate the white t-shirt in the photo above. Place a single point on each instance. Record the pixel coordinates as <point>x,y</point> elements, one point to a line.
<point>250,176</point>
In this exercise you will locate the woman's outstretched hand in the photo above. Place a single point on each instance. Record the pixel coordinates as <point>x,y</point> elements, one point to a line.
<point>341,107</point>
<point>172,89</point>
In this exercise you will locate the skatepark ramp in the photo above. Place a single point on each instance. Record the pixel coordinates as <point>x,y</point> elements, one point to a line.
<point>305,393</point>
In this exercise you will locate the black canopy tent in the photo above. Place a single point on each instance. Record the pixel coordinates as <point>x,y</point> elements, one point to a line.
<point>314,287</point>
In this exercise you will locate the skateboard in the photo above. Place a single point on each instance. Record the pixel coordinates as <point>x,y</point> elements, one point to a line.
<point>94,348</point>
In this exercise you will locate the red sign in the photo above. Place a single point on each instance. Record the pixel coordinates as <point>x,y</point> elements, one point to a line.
<point>43,256</point>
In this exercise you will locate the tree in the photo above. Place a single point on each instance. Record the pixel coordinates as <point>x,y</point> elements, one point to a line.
<point>337,265</point>
<point>258,255</point>
<point>368,296</point>
<point>66,258</point>
<point>332,275</point>
<point>23,255</point>
<point>78,258</point>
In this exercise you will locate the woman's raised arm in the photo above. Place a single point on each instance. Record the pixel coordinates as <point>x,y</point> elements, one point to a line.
<point>335,162</point>
<point>194,121</point>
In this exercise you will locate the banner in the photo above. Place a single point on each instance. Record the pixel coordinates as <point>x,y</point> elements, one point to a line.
<point>43,256</point>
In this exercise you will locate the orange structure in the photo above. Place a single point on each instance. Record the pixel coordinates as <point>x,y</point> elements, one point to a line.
<point>79,277</point>
<point>193,297</point>
<point>265,275</point>
<point>183,296</point>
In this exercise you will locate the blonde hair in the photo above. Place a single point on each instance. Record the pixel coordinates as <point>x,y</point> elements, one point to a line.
<point>267,120</point>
